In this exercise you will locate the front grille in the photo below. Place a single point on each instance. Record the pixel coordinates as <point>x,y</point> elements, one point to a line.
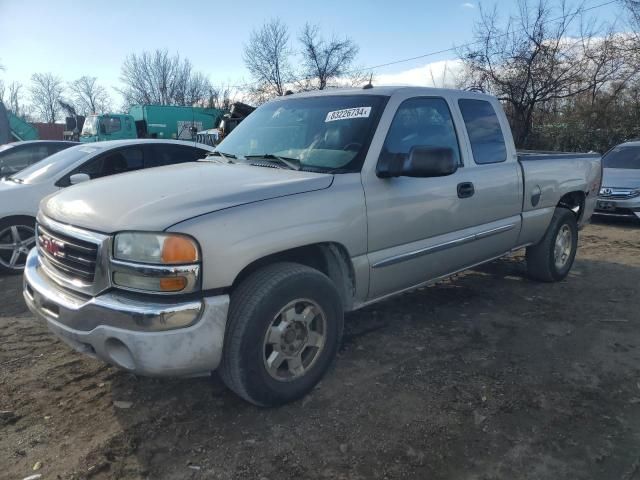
<point>71,256</point>
<point>617,194</point>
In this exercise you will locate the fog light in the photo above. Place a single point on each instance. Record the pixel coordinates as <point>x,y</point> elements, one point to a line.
<point>172,284</point>
<point>151,284</point>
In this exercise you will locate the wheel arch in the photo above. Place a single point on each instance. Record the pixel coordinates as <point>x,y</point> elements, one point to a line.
<point>330,258</point>
<point>574,201</point>
<point>10,218</point>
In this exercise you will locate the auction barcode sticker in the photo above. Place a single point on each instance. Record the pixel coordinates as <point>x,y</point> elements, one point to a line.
<point>359,112</point>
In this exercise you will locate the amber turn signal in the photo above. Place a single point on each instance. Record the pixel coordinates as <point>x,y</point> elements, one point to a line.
<point>176,249</point>
<point>172,284</point>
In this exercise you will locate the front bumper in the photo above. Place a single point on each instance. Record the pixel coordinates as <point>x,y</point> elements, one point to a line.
<point>127,331</point>
<point>628,207</point>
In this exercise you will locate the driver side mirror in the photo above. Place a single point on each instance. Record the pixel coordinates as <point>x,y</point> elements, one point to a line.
<point>78,178</point>
<point>422,161</point>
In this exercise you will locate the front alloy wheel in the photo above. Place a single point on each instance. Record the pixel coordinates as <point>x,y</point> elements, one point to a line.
<point>294,340</point>
<point>15,243</point>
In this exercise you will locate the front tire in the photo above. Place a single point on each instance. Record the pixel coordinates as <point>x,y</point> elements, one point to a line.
<point>284,328</point>
<point>552,258</point>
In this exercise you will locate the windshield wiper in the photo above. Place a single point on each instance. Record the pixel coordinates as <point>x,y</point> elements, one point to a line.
<point>290,163</point>
<point>227,156</point>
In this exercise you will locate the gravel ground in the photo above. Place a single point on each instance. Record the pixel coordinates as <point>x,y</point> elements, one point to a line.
<point>485,376</point>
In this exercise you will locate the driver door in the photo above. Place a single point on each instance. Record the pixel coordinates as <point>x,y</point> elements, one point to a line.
<point>416,225</point>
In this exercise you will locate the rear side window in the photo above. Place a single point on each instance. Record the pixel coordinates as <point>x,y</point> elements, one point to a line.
<point>483,128</point>
<point>420,122</point>
<point>171,154</point>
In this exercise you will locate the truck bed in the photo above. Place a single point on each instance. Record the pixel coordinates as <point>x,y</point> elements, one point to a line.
<point>549,176</point>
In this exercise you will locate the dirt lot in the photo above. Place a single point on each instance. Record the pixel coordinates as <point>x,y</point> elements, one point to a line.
<point>484,376</point>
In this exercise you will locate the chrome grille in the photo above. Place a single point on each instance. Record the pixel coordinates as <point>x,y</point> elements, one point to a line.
<point>71,256</point>
<point>617,193</point>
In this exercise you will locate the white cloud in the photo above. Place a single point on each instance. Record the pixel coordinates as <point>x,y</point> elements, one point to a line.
<point>442,74</point>
<point>467,5</point>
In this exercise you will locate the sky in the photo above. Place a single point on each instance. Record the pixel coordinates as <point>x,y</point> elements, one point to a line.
<point>73,38</point>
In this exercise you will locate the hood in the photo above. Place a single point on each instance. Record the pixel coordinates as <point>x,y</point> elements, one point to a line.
<point>621,178</point>
<point>157,198</point>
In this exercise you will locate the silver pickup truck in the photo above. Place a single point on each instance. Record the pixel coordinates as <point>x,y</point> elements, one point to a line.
<point>316,205</point>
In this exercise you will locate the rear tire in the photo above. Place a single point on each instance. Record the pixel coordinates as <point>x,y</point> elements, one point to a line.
<point>284,328</point>
<point>552,258</point>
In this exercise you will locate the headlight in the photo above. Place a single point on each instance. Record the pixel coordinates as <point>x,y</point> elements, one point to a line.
<point>157,248</point>
<point>155,262</point>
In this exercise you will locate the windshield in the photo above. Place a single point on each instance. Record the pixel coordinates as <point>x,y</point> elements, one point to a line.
<point>327,133</point>
<point>6,146</point>
<point>90,126</point>
<point>53,165</point>
<point>622,157</point>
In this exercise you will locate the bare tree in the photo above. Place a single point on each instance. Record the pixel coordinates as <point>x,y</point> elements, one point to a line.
<point>633,7</point>
<point>266,56</point>
<point>89,96</point>
<point>46,91</point>
<point>528,61</point>
<point>219,97</point>
<point>613,61</point>
<point>160,79</point>
<point>15,98</point>
<point>325,60</point>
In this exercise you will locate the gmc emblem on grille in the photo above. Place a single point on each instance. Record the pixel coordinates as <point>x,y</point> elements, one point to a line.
<point>51,246</point>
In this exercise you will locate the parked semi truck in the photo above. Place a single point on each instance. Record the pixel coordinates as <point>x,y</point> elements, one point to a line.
<point>317,204</point>
<point>150,121</point>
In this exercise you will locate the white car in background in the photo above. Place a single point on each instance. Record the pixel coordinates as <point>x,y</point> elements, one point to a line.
<point>20,194</point>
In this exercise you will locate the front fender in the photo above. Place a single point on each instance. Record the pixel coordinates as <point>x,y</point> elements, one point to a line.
<point>234,238</point>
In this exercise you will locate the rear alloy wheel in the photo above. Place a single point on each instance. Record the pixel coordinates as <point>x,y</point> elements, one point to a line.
<point>552,258</point>
<point>16,240</point>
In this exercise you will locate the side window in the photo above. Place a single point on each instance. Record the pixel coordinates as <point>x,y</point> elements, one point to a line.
<point>127,123</point>
<point>420,122</point>
<point>111,124</point>
<point>120,161</point>
<point>171,154</point>
<point>485,134</point>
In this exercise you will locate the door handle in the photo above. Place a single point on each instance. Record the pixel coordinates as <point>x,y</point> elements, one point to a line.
<point>466,190</point>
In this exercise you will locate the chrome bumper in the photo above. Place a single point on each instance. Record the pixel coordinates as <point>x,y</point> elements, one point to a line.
<point>156,338</point>
<point>618,207</point>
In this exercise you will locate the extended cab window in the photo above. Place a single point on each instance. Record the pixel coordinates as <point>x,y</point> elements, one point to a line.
<point>420,122</point>
<point>483,128</point>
